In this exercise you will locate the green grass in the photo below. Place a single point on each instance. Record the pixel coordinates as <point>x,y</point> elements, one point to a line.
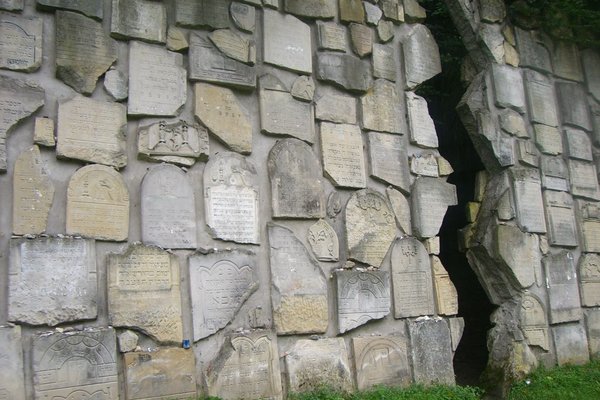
<point>415,392</point>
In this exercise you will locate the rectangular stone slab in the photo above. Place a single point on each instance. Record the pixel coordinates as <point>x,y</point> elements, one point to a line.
<point>139,19</point>
<point>20,42</point>
<point>431,349</point>
<point>563,289</point>
<point>12,385</point>
<point>287,42</point>
<point>91,8</point>
<point>381,360</point>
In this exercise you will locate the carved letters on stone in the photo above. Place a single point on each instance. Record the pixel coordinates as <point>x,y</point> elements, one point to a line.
<point>527,192</point>
<point>202,13</point>
<point>139,19</point>
<point>389,160</point>
<point>382,108</point>
<point>430,200</point>
<point>343,158</point>
<point>563,289</point>
<point>533,322</point>
<point>560,218</point>
<point>324,241</point>
<point>381,361</point>
<point>179,139</point>
<point>431,349</point>
<point>20,42</point>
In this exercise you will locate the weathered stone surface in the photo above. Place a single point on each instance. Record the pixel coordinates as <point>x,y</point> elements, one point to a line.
<point>144,293</point>
<point>232,127</point>
<point>362,39</point>
<point>311,364</point>
<point>331,36</point>
<point>422,129</point>
<point>177,39</point>
<point>384,61</point>
<point>532,50</point>
<point>446,296</point>
<point>139,19</point>
<point>91,8</point>
<point>492,11</point>
<point>520,253</point>
<point>528,154</point>
<point>296,183</point>
<point>168,208</point>
<point>20,42</point>
<point>533,321</point>
<point>12,384</point>
<point>344,70</point>
<point>178,139</point>
<point>373,13</point>
<point>43,132</point>
<point>247,366</point>
<point>540,98</point>
<point>83,51</point>
<point>430,200</point>
<point>33,193</point>
<point>18,100</point>
<point>457,327</point>
<point>361,296</point>
<point>527,192</point>
<point>51,280</point>
<point>571,344</point>
<point>233,45</point>
<point>164,373</point>
<point>508,87</point>
<point>381,361</point>
<point>116,84</point>
<point>312,8</point>
<point>401,209</point>
<point>388,159</point>
<point>421,57</point>
<point>566,60</point>
<point>202,13</point>
<point>413,12</point>
<point>323,241</point>
<point>573,105</point>
<point>589,220</point>
<point>382,108</point>
<point>393,9</point>
<point>303,88</point>
<point>299,288</point>
<point>128,341</point>
<point>560,219</point>
<point>208,64</point>
<point>424,164</point>
<point>548,139</point>
<point>287,42</point>
<point>584,181</point>
<point>591,59</point>
<point>243,15</point>
<point>11,5</point>
<point>343,160</point>
<point>157,81</point>
<point>589,276</point>
<point>336,108</point>
<point>334,204</point>
<point>431,350</point>
<point>579,144</point>
<point>592,321</point>
<point>98,204</point>
<point>351,11</point>
<point>563,289</point>
<point>220,282</point>
<point>231,198</point>
<point>385,30</point>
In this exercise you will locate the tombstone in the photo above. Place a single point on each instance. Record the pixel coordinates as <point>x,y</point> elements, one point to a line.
<point>18,100</point>
<point>90,8</point>
<point>162,373</point>
<point>33,193</point>
<point>554,174</point>
<point>411,279</point>
<point>560,219</point>
<point>219,110</point>
<point>20,42</point>
<point>369,226</point>
<point>157,81</point>
<point>168,208</point>
<point>381,108</point>
<point>296,185</point>
<point>312,364</point>
<point>573,105</point>
<point>422,129</point>
<point>393,9</point>
<point>43,132</point>
<point>388,159</point>
<point>589,277</point>
<point>176,139</point>
<point>220,283</point>
<point>527,193</point>
<point>571,344</point>
<point>540,98</point>
<point>373,13</point>
<point>548,139</point>
<point>75,364</point>
<point>591,59</point>
<point>243,16</point>
<point>51,280</point>
<point>116,84</point>
<point>351,11</point>
<point>384,61</point>
<point>431,350</point>
<point>362,39</point>
<point>584,180</point>
<point>513,123</point>
<point>323,241</point>
<point>128,341</point>
<point>202,14</point>
<point>528,154</point>
<point>299,288</point>
<point>401,209</point>
<point>287,42</point>
<point>247,366</point>
<point>519,253</point>
<point>233,45</point>
<point>592,322</point>
<point>11,5</point>
<point>83,51</point>
<point>563,290</point>
<point>533,322</point>
<point>532,51</point>
<point>336,108</point>
<point>362,296</point>
<point>144,293</point>
<point>579,145</point>
<point>345,71</point>
<point>334,204</point>
<point>208,64</point>
<point>421,57</point>
<point>331,36</point>
<point>381,361</point>
<point>424,164</point>
<point>98,204</point>
<point>303,88</point>
<point>430,200</point>
<point>139,19</point>
<point>312,8</point>
<point>589,220</point>
<point>343,159</point>
<point>508,87</point>
<point>12,384</point>
<point>566,60</point>
<point>446,296</point>
<point>231,198</point>
<point>177,39</point>
<point>385,30</point>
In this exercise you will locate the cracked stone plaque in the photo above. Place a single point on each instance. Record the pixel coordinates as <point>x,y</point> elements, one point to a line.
<point>346,71</point>
<point>382,108</point>
<point>401,208</point>
<point>381,360</point>
<point>20,42</point>
<point>43,132</point>
<point>430,200</point>
<point>527,192</point>
<point>331,36</point>
<point>508,87</point>
<point>584,180</point>
<point>431,349</point>
<point>571,344</point>
<point>560,219</point>
<point>139,19</point>
<point>287,42</point>
<point>563,289</point>
<point>175,139</point>
<point>336,108</point>
<point>384,61</point>
<point>202,13</point>
<point>422,128</point>
<point>233,45</point>
<point>12,383</point>
<point>519,251</point>
<point>324,241</point>
<point>243,15</point>
<point>421,57</point>
<point>342,151</point>
<point>389,160</point>
<point>573,105</point>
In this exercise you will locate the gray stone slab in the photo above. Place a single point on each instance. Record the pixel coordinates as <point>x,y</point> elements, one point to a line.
<point>299,287</point>
<point>573,105</point>
<point>571,344</point>
<point>457,327</point>
<point>393,9</point>
<point>388,159</point>
<point>331,36</point>
<point>128,341</point>
<point>177,39</point>
<point>513,123</point>
<point>296,181</point>
<point>533,52</point>
<point>168,208</point>
<point>98,204</point>
<point>351,11</point>
<point>493,11</point>
<point>527,192</point>
<point>592,322</point>
<point>33,193</point>
<point>401,209</point>
<point>233,45</point>
<point>446,296</point>
<point>382,108</point>
<point>533,321</point>
<point>179,138</point>
<point>385,30</point>
<point>431,351</point>
<point>528,154</point>
<point>43,132</point>
<point>12,384</point>
<point>424,164</point>
<point>231,198</point>
<point>589,222</point>
<point>540,99</point>
<point>519,253</point>
<point>384,61</point>
<point>373,13</point>
<point>51,280</point>
<point>560,219</point>
<point>362,296</point>
<point>11,5</point>
<point>243,16</point>
<point>563,289</point>
<point>381,361</point>
<point>344,70</point>
<point>20,42</point>
<point>312,364</point>
<point>508,87</point>
<point>361,39</point>
<point>554,174</point>
<point>139,19</point>
<point>591,60</point>
<point>157,81</point>
<point>74,364</point>
<point>342,151</point>
<point>202,13</point>
<point>422,129</point>
<point>421,57</point>
<point>287,42</point>
<point>324,241</point>
<point>312,8</point>
<point>18,100</point>
<point>567,61</point>
<point>579,144</point>
<point>116,84</point>
<point>91,8</point>
<point>336,108</point>
<point>430,200</point>
<point>589,278</point>
<point>220,283</point>
<point>303,88</point>
<point>548,139</point>
<point>584,180</point>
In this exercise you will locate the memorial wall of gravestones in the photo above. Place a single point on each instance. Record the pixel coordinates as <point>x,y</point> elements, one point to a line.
<point>230,198</point>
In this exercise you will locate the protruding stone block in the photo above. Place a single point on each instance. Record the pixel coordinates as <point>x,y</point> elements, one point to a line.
<point>382,108</point>
<point>430,200</point>
<point>349,72</point>
<point>431,349</point>
<point>563,289</point>
<point>421,57</point>
<point>389,160</point>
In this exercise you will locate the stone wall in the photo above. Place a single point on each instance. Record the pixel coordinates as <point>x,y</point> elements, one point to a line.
<point>226,198</point>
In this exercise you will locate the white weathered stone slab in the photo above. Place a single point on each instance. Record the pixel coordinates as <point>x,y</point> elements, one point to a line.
<point>344,70</point>
<point>446,296</point>
<point>312,8</point>
<point>384,61</point>
<point>424,164</point>
<point>202,13</point>
<point>12,383</point>
<point>362,39</point>
<point>560,219</point>
<point>533,322</point>
<point>323,241</point>
<point>540,98</point>
<point>231,198</point>
<point>584,180</point>
<point>589,277</point>
<point>168,208</point>
<point>508,87</point>
<point>573,105</point>
<point>382,108</point>
<point>430,200</point>
<point>563,289</point>
<point>98,204</point>
<point>532,50</point>
<point>20,42</point>
<point>157,81</point>
<point>51,280</point>
<point>139,19</point>
<point>421,57</point>
<point>579,144</point>
<point>343,159</point>
<point>91,8</point>
<point>388,159</point>
<point>571,344</point>
<point>431,350</point>
<point>519,252</point>
<point>401,209</point>
<point>233,45</point>
<point>176,139</point>
<point>381,361</point>
<point>422,129</point>
<point>299,288</point>
<point>336,108</point>
<point>527,191</point>
<point>548,139</point>
<point>287,42</point>
<point>33,193</point>
<point>220,283</point>
<point>554,174</point>
<point>331,36</point>
<point>93,131</point>
<point>43,132</point>
<point>243,16</point>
